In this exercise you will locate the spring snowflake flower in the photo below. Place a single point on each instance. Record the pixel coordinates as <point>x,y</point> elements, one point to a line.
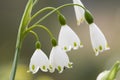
<point>58,60</point>
<point>68,39</point>
<point>103,75</point>
<point>38,60</point>
<point>98,39</point>
<point>79,11</point>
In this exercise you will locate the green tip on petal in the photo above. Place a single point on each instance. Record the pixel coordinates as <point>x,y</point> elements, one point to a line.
<point>38,45</point>
<point>65,48</point>
<point>96,52</point>
<point>75,44</point>
<point>54,42</point>
<point>81,44</point>
<point>70,65</point>
<point>107,47</point>
<point>44,67</point>
<point>62,19</point>
<point>100,48</point>
<point>88,17</point>
<point>33,67</point>
<point>59,68</point>
<point>50,67</point>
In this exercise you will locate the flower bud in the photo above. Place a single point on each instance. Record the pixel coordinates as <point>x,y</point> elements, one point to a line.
<point>38,45</point>
<point>54,42</point>
<point>62,19</point>
<point>88,17</point>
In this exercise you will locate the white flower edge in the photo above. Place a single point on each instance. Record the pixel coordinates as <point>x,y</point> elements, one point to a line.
<point>103,75</point>
<point>68,39</point>
<point>38,60</point>
<point>98,40</point>
<point>58,60</point>
<point>79,11</point>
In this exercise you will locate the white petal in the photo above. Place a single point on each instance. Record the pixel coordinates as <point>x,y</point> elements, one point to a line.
<point>58,59</point>
<point>103,75</point>
<point>68,39</point>
<point>98,39</point>
<point>39,60</point>
<point>79,11</point>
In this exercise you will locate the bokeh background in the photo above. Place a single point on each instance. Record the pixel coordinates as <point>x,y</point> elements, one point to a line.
<point>86,65</point>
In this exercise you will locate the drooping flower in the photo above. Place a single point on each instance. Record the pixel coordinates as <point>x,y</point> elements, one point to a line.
<point>98,39</point>
<point>58,60</point>
<point>68,39</point>
<point>103,75</point>
<point>39,60</point>
<point>79,11</point>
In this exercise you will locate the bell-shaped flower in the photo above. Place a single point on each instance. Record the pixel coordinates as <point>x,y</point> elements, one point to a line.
<point>68,39</point>
<point>103,75</point>
<point>58,60</point>
<point>98,39</point>
<point>79,11</point>
<point>38,60</point>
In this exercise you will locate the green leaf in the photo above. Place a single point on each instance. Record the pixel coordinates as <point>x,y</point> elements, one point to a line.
<point>113,71</point>
<point>26,15</point>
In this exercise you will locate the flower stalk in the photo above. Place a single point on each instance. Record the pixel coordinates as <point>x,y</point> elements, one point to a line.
<point>24,22</point>
<point>58,8</point>
<point>15,61</point>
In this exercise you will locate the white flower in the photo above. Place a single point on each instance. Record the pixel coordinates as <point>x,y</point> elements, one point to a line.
<point>38,60</point>
<point>68,39</point>
<point>58,60</point>
<point>79,11</point>
<point>98,39</point>
<point>103,75</point>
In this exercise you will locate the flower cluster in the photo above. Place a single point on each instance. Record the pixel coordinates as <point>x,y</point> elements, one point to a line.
<point>98,40</point>
<point>58,59</point>
<point>67,41</point>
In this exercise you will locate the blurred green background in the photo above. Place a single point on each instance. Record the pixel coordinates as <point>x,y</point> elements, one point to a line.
<point>86,65</point>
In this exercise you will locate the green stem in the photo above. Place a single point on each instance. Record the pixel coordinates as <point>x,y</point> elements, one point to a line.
<point>36,36</point>
<point>39,26</point>
<point>65,5</point>
<point>23,24</point>
<point>42,10</point>
<point>14,67</point>
<point>17,51</point>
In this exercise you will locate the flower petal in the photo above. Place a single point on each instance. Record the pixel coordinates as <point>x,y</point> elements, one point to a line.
<point>58,59</point>
<point>39,60</point>
<point>68,39</point>
<point>79,11</point>
<point>98,39</point>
